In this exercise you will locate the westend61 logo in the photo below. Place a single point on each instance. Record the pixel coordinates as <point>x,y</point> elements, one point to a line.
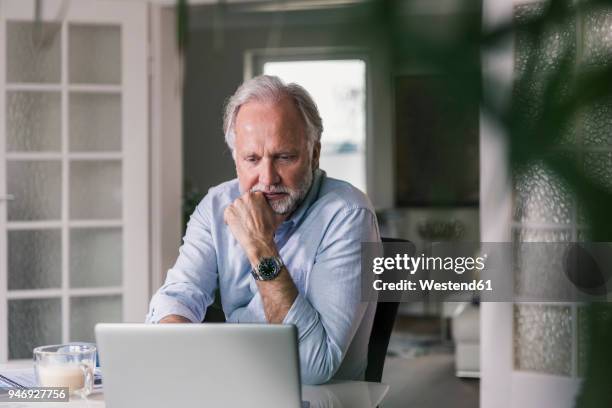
<point>489,272</point>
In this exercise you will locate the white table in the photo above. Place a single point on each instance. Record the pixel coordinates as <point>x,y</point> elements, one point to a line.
<point>340,394</point>
<point>346,394</point>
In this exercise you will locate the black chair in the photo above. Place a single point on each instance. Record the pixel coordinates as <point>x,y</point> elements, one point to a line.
<point>382,327</point>
<point>379,339</point>
<point>214,312</point>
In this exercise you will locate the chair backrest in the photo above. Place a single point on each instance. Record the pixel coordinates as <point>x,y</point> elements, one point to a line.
<point>382,327</point>
<point>214,315</point>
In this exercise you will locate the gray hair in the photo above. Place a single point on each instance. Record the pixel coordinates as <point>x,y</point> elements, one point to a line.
<point>267,88</point>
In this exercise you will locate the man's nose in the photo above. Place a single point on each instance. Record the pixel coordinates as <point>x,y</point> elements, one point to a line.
<point>268,175</point>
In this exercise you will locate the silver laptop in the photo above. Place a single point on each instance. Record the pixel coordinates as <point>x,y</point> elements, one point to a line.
<point>199,365</point>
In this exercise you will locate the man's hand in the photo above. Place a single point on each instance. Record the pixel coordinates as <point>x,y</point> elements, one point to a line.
<point>253,223</point>
<point>175,319</point>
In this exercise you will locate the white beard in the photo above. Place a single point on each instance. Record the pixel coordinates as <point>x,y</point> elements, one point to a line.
<point>288,204</point>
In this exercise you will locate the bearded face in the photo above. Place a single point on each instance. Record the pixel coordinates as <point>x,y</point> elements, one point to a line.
<point>284,200</point>
<point>272,153</point>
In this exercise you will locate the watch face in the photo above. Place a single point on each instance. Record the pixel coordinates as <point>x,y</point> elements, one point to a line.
<point>267,268</point>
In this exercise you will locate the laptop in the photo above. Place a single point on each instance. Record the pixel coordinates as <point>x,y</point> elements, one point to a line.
<point>199,365</point>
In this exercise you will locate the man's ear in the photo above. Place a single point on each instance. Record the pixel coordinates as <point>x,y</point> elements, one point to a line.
<point>316,152</point>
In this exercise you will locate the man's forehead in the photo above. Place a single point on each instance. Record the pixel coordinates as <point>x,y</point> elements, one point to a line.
<point>269,145</point>
<point>277,124</point>
<point>282,109</point>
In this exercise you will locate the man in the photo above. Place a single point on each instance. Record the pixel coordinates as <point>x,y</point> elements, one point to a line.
<point>282,241</point>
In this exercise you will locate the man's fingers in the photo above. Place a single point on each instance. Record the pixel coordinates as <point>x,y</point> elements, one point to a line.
<point>250,200</point>
<point>247,206</point>
<point>239,203</point>
<point>228,213</point>
<point>252,195</point>
<point>258,196</point>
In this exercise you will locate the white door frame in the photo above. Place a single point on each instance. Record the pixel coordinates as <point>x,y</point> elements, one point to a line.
<point>166,67</point>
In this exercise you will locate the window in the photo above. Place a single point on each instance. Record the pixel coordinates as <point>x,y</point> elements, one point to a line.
<point>338,87</point>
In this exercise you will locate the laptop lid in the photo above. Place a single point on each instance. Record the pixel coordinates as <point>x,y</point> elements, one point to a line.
<point>197,365</point>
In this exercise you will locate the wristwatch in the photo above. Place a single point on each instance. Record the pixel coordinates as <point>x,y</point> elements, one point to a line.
<point>268,268</point>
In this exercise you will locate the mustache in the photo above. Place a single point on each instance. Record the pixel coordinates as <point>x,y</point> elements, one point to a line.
<point>270,189</point>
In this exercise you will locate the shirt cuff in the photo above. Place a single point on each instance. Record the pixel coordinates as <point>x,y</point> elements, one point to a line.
<point>162,306</point>
<point>302,315</point>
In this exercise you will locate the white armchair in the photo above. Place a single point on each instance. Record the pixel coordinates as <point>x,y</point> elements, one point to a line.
<point>466,334</point>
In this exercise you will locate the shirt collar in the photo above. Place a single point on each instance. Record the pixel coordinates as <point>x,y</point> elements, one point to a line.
<point>313,193</point>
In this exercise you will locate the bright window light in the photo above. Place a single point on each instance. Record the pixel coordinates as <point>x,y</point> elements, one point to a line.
<point>339,89</point>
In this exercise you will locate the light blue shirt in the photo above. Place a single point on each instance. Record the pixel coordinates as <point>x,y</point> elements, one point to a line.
<point>320,244</point>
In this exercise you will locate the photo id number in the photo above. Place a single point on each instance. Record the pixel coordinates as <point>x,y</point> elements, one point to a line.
<point>36,394</point>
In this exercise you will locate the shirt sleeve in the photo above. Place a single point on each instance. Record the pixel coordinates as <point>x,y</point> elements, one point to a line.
<point>190,284</point>
<point>328,315</point>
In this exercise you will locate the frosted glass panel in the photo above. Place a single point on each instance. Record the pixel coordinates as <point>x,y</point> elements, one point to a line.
<point>33,121</point>
<point>600,318</point>
<point>539,269</point>
<point>95,257</point>
<point>33,323</point>
<point>521,56</point>
<point>541,235</point>
<point>583,340</point>
<point>598,125</point>
<point>543,338</point>
<point>34,259</point>
<point>33,52</point>
<point>548,55</point>
<point>95,189</point>
<point>85,312</point>
<point>598,37</point>
<point>540,272</point>
<point>581,213</point>
<point>95,122</point>
<point>545,57</point>
<point>36,186</point>
<point>599,167</point>
<point>95,54</point>
<point>540,196</point>
<point>584,235</point>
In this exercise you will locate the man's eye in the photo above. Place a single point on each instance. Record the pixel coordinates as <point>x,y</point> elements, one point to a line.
<point>251,159</point>
<point>286,157</point>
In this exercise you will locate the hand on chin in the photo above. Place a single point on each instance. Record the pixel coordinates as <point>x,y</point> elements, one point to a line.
<point>252,220</point>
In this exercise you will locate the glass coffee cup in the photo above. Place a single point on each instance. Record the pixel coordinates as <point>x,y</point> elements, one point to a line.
<point>66,365</point>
